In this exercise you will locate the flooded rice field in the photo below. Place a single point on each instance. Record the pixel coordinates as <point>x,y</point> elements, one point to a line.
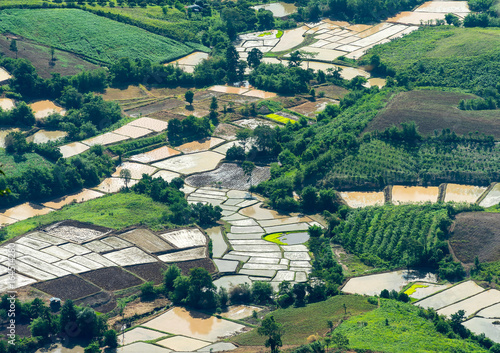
<point>279,9</point>
<point>451,295</point>
<point>252,123</point>
<point>414,194</point>
<point>290,39</point>
<point>357,199</point>
<point>105,139</point>
<point>188,62</point>
<point>444,7</point>
<point>238,312</point>
<point>25,211</point>
<point>192,163</point>
<point>43,109</point>
<point>136,170</point>
<point>155,155</point>
<point>463,193</point>
<point>4,133</point>
<point>492,198</point>
<point>72,149</point>
<point>201,145</point>
<point>43,136</point>
<point>4,75</point>
<point>194,324</point>
<point>420,290</point>
<point>84,195</point>
<point>112,185</point>
<point>480,325</point>
<point>374,284</point>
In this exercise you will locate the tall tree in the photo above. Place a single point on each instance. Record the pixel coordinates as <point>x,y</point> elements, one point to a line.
<point>189,95</point>
<point>13,46</point>
<point>254,58</point>
<point>273,331</point>
<point>232,60</point>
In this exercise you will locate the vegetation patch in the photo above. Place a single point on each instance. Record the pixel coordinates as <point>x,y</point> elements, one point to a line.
<point>280,119</point>
<point>105,40</point>
<point>414,288</point>
<point>397,327</point>
<point>300,323</point>
<point>14,165</point>
<point>476,234</point>
<point>114,211</point>
<point>274,238</point>
<point>436,110</point>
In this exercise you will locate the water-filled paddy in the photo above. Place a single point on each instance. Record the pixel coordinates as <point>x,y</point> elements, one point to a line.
<point>413,194</point>
<point>72,149</point>
<point>279,9</point>
<point>451,295</point>
<point>357,199</point>
<point>192,163</point>
<point>492,198</point>
<point>155,155</point>
<point>6,104</point>
<point>463,193</point>
<point>43,136</point>
<point>480,325</point>
<point>180,321</point>
<point>43,109</point>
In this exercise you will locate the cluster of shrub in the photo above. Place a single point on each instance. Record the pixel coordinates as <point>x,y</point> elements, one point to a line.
<point>180,211</point>
<point>65,176</point>
<point>69,322</point>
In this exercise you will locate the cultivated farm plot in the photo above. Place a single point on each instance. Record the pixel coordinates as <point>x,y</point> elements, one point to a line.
<point>279,9</point>
<point>154,155</point>
<point>414,194</point>
<point>374,284</point>
<point>136,170</point>
<point>422,290</point>
<point>25,211</point>
<point>142,347</point>
<point>140,334</point>
<point>184,255</point>
<point>132,131</point>
<point>463,193</point>
<point>180,321</point>
<point>112,185</point>
<point>473,304</point>
<point>6,103</point>
<point>480,325</point>
<point>185,238</point>
<point>72,149</point>
<point>202,145</point>
<point>451,295</point>
<point>106,40</point>
<point>146,240</point>
<point>43,136</point>
<point>182,344</point>
<point>493,197</point>
<point>75,231</point>
<point>192,163</point>
<point>129,256</point>
<point>188,62</point>
<point>357,199</point>
<point>43,109</point>
<point>444,7</point>
<point>105,139</point>
<point>151,124</point>
<point>4,75</point>
<point>68,287</point>
<point>253,123</point>
<point>112,278</point>
<point>230,175</point>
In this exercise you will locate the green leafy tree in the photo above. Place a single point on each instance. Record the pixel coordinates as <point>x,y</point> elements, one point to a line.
<point>188,96</point>
<point>262,292</point>
<point>202,291</point>
<point>295,59</point>
<point>110,339</point>
<point>13,46</point>
<point>169,277</point>
<point>254,58</point>
<point>126,176</point>
<point>273,331</point>
<point>340,340</point>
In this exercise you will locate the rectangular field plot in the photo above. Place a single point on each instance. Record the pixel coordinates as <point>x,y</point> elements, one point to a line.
<point>33,243</point>
<point>414,194</point>
<point>75,231</point>
<point>136,170</point>
<point>193,163</point>
<point>362,199</point>
<point>201,145</point>
<point>490,312</point>
<point>185,238</point>
<point>480,325</point>
<point>142,347</point>
<point>25,211</point>
<point>493,197</point>
<point>450,296</point>
<point>129,256</point>
<point>182,344</point>
<point>146,240</point>
<point>444,7</point>
<point>105,139</point>
<point>68,287</point>
<point>140,334</point>
<point>155,155</point>
<point>151,124</point>
<point>422,290</point>
<point>415,18</point>
<point>180,321</point>
<point>111,278</point>
<point>72,149</point>
<point>30,271</point>
<point>58,252</point>
<point>6,282</point>
<point>463,193</point>
<point>184,255</point>
<point>472,304</point>
<point>132,131</point>
<point>149,272</point>
<point>111,185</point>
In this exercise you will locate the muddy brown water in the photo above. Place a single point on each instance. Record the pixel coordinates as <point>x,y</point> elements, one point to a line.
<point>45,108</point>
<point>43,136</point>
<point>362,199</point>
<point>279,9</point>
<point>404,194</point>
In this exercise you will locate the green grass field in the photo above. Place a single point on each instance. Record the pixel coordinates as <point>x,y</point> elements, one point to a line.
<point>114,211</point>
<point>407,332</point>
<point>94,37</point>
<point>14,166</point>
<point>445,56</point>
<point>299,323</point>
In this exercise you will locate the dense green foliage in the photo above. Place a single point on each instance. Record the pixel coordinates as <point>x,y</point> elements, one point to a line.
<point>399,327</point>
<point>42,181</point>
<point>189,129</point>
<point>105,40</point>
<point>442,56</point>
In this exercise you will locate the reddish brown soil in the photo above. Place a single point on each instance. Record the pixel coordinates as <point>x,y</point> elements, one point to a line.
<point>149,272</point>
<point>67,287</point>
<point>112,278</point>
<point>476,234</point>
<point>207,264</point>
<point>435,110</point>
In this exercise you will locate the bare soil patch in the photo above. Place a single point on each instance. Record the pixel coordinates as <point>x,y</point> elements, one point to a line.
<point>435,110</point>
<point>231,176</point>
<point>149,272</point>
<point>124,93</point>
<point>332,91</point>
<point>112,278</point>
<point>102,302</point>
<point>476,234</point>
<point>67,287</point>
<point>65,64</point>
<point>207,264</point>
<point>157,106</point>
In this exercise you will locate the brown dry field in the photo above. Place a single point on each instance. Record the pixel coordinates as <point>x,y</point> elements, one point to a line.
<point>156,106</point>
<point>102,302</point>
<point>149,272</point>
<point>65,64</point>
<point>165,115</point>
<point>129,92</point>
<point>331,91</point>
<point>435,110</point>
<point>476,234</point>
<point>137,307</point>
<point>112,278</point>
<point>67,287</point>
<point>185,266</point>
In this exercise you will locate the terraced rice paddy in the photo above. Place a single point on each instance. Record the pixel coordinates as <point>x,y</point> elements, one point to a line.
<point>374,284</point>
<point>25,211</point>
<point>431,11</point>
<point>451,295</point>
<point>43,109</point>
<point>357,199</point>
<point>155,155</point>
<point>420,290</point>
<point>188,62</point>
<point>73,149</point>
<point>112,185</point>
<point>254,122</point>
<point>105,139</point>
<point>414,194</point>
<point>479,325</point>
<point>230,175</point>
<point>492,198</point>
<point>202,145</point>
<point>192,163</point>
<point>43,136</point>
<point>140,334</point>
<point>463,193</point>
<point>81,196</point>
<point>136,170</point>
<point>4,75</point>
<point>3,134</point>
